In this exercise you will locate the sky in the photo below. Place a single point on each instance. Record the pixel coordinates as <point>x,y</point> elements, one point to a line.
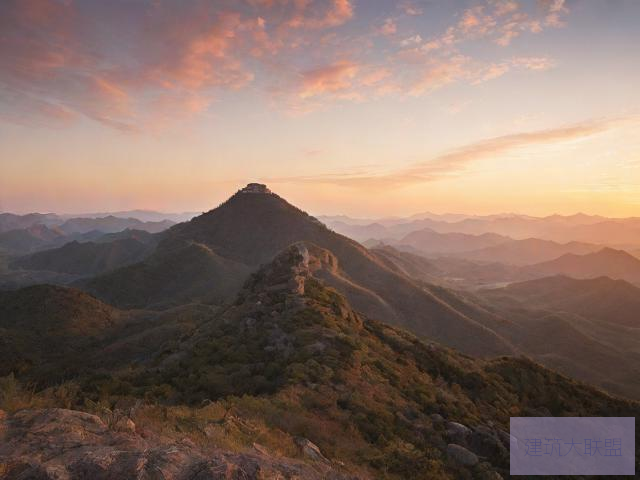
<point>358,107</point>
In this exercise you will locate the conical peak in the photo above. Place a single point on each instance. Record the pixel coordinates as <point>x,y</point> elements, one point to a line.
<point>255,188</point>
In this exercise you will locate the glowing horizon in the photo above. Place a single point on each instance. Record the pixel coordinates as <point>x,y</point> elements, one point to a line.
<point>369,109</point>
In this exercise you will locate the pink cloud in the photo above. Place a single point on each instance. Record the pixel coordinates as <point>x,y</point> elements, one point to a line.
<point>491,72</point>
<point>169,57</point>
<point>438,74</point>
<point>375,76</point>
<point>505,7</point>
<point>555,10</point>
<point>410,8</point>
<point>333,79</point>
<point>389,27</point>
<point>475,22</point>
<point>137,68</point>
<point>316,15</point>
<point>498,20</point>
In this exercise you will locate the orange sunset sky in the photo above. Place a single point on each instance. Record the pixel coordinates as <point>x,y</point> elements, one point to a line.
<point>366,108</point>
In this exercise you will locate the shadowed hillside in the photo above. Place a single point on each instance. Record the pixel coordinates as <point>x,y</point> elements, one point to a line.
<point>529,251</point>
<point>413,266</point>
<point>51,333</point>
<point>207,259</point>
<point>362,391</point>
<point>29,239</point>
<point>86,258</point>
<point>608,262</point>
<point>602,299</point>
<point>578,327</point>
<point>44,324</point>
<point>289,369</point>
<point>177,274</point>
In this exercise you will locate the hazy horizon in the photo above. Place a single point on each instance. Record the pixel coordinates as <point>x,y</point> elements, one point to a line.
<point>356,216</point>
<point>373,217</point>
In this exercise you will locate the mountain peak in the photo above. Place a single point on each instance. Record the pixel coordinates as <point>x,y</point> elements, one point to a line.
<point>255,188</point>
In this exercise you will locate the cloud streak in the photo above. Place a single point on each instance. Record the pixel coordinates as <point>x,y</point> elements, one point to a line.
<point>455,162</point>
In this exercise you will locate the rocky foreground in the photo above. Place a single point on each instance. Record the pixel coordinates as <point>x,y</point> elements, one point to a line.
<point>62,444</point>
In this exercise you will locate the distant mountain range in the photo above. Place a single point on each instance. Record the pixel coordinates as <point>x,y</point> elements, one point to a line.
<point>430,242</point>
<point>486,247</point>
<point>142,215</point>
<point>36,232</point>
<point>614,232</point>
<point>517,260</point>
<point>528,251</point>
<point>31,238</point>
<point>608,262</point>
<point>11,221</point>
<point>111,224</point>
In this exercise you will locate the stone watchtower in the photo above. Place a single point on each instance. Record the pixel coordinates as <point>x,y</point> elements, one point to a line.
<point>255,188</point>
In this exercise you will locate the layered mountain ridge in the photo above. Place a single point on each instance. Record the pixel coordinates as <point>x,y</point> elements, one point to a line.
<point>287,377</point>
<point>218,249</point>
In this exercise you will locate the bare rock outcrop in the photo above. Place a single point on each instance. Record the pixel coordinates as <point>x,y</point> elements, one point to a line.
<point>71,445</point>
<point>310,450</point>
<point>457,432</point>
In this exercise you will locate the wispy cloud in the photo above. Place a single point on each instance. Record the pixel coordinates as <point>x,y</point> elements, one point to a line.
<point>497,70</point>
<point>501,21</point>
<point>492,71</point>
<point>158,61</point>
<point>317,15</point>
<point>438,73</point>
<point>411,8</point>
<point>555,11</point>
<point>334,79</point>
<point>389,27</point>
<point>455,162</point>
<point>143,66</point>
<point>533,63</point>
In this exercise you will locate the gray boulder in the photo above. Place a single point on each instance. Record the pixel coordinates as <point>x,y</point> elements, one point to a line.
<point>461,456</point>
<point>486,443</point>
<point>457,432</point>
<point>310,450</point>
<point>437,418</point>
